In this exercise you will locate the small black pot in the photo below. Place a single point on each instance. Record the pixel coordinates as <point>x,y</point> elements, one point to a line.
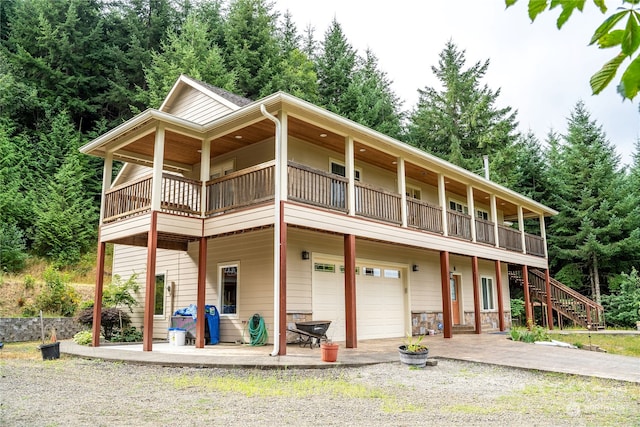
<point>50,351</point>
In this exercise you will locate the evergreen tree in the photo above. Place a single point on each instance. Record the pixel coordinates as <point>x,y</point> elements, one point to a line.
<point>369,99</point>
<point>461,123</point>
<point>251,48</point>
<point>585,237</point>
<point>335,66</point>
<point>66,218</point>
<point>187,52</point>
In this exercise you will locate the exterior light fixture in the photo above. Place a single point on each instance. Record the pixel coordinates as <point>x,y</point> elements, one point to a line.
<point>305,255</point>
<point>415,268</point>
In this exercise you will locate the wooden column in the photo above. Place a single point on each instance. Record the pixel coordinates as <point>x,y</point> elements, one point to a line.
<point>350,171</point>
<point>402,189</point>
<point>500,298</point>
<point>447,315</point>
<point>150,290</point>
<point>201,293</point>
<point>282,349</point>
<point>494,218</point>
<point>547,283</point>
<point>442,200</point>
<point>523,238</point>
<point>350,290</point>
<point>97,298</point>
<point>472,212</point>
<point>527,299</point>
<point>476,294</point>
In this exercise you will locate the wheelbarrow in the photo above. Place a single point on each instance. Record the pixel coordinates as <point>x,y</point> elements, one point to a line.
<point>312,332</point>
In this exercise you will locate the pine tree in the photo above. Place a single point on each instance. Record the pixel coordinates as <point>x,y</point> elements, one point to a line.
<point>461,122</point>
<point>335,66</point>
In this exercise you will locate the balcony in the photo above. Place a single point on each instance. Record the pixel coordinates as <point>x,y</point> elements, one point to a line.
<point>255,185</point>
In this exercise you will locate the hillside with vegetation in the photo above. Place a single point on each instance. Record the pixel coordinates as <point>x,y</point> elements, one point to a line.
<point>71,70</point>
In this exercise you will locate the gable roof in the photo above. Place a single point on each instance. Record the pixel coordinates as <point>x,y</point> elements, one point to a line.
<point>226,98</point>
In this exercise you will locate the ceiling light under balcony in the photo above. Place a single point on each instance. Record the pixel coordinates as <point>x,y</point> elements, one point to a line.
<point>238,137</point>
<point>323,135</point>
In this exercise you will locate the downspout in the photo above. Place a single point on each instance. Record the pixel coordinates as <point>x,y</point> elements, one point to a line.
<point>276,234</point>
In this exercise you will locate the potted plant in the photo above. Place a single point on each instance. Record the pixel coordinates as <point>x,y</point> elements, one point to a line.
<point>329,351</point>
<point>413,352</point>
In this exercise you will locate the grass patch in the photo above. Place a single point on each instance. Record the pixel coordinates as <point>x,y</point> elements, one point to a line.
<point>471,409</point>
<point>276,385</point>
<point>21,350</point>
<point>626,345</point>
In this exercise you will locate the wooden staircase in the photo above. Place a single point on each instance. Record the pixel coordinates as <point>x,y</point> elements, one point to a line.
<point>564,300</point>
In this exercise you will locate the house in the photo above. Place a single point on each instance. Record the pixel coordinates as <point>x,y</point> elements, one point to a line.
<point>281,208</point>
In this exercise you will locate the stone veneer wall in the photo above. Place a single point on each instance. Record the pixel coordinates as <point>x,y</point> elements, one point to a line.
<point>14,329</point>
<point>292,318</point>
<point>422,322</point>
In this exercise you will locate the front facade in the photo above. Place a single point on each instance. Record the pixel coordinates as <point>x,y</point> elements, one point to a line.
<point>280,208</point>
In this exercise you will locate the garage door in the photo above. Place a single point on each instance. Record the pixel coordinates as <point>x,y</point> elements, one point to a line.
<point>380,300</point>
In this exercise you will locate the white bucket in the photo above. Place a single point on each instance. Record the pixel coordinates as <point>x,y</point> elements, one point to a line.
<point>172,336</point>
<point>180,336</point>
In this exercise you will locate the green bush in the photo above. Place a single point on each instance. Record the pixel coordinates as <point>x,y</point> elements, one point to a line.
<point>83,337</point>
<point>622,308</point>
<point>536,333</point>
<point>57,297</point>
<point>130,334</point>
<point>29,282</point>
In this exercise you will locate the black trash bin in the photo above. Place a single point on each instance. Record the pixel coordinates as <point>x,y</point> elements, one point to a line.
<point>50,351</point>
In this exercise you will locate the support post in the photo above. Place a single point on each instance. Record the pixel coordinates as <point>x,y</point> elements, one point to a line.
<point>150,290</point>
<point>527,297</point>
<point>350,171</point>
<point>472,212</point>
<point>201,293</point>
<point>402,190</point>
<point>500,297</point>
<point>97,299</point>
<point>476,294</point>
<point>442,199</point>
<point>547,284</point>
<point>445,279</point>
<point>350,290</point>
<point>494,218</point>
<point>523,238</point>
<point>282,349</point>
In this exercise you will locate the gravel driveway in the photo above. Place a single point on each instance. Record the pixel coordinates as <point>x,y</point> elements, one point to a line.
<point>76,392</point>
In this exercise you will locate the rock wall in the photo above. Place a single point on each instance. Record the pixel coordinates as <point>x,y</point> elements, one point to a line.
<point>14,329</point>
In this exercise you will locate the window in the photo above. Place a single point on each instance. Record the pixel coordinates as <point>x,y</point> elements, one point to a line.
<point>458,207</point>
<point>413,192</point>
<point>158,305</point>
<point>391,274</point>
<point>340,169</point>
<point>481,214</point>
<point>374,272</point>
<point>229,289</point>
<point>222,169</point>
<point>327,268</point>
<point>487,294</point>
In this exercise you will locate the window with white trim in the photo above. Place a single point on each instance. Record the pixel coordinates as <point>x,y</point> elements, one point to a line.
<point>159,297</point>
<point>228,279</point>
<point>338,168</point>
<point>487,294</point>
<point>458,207</point>
<point>482,214</point>
<point>413,192</point>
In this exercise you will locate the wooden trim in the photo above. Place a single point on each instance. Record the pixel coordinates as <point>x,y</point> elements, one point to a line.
<point>201,292</point>
<point>147,332</point>
<point>97,299</point>
<point>547,284</point>
<point>129,183</point>
<point>350,318</point>
<point>242,172</point>
<point>447,315</point>
<point>500,297</point>
<point>476,294</point>
<point>282,347</point>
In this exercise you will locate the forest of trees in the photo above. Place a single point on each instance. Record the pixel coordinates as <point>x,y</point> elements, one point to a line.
<point>70,70</point>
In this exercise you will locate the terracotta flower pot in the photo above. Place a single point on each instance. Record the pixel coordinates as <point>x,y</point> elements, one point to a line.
<point>329,352</point>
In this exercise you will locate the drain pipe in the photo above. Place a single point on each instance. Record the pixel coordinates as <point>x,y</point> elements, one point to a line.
<point>276,234</point>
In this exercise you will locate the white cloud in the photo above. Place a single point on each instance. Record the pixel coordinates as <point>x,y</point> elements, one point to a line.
<point>542,72</point>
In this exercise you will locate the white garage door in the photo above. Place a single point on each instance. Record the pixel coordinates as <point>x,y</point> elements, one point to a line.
<point>380,300</point>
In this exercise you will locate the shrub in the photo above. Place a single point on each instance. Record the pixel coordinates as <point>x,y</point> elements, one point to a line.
<point>119,293</point>
<point>29,310</point>
<point>536,333</point>
<point>130,334</point>
<point>57,297</point>
<point>29,282</point>
<point>623,307</point>
<point>110,320</point>
<point>14,251</point>
<point>83,337</point>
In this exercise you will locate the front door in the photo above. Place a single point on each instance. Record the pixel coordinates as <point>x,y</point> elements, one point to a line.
<point>455,296</point>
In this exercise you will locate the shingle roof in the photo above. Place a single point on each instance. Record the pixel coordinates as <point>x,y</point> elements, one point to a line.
<point>240,101</point>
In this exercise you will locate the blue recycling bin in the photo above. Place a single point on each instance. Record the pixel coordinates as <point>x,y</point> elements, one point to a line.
<point>213,322</point>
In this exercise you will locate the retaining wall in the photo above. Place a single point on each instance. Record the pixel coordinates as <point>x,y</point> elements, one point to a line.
<point>14,329</point>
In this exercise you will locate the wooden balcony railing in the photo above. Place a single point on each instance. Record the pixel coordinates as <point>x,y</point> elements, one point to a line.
<point>239,189</point>
<point>128,199</point>
<point>180,196</point>
<point>534,244</point>
<point>317,188</point>
<point>459,224</point>
<point>485,231</point>
<point>378,204</point>
<point>509,238</point>
<point>424,216</point>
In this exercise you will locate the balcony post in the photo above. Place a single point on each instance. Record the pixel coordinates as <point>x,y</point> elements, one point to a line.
<point>547,285</point>
<point>527,297</point>
<point>543,234</point>
<point>106,181</point>
<point>201,291</point>
<point>402,185</point>
<point>97,299</point>
<point>523,238</point>
<point>350,317</point>
<point>500,297</point>
<point>158,161</point>
<point>349,157</point>
<point>442,197</point>
<point>476,294</point>
<point>445,281</point>
<point>150,289</point>
<point>472,212</point>
<point>494,218</point>
<point>205,166</point>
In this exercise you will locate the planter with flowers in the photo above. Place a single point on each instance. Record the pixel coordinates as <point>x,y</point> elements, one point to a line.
<point>413,352</point>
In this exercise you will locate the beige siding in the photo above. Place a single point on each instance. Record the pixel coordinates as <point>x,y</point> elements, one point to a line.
<point>177,224</point>
<point>131,172</point>
<point>249,218</point>
<point>197,107</point>
<point>120,229</point>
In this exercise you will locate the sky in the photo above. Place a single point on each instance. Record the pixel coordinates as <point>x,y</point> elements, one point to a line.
<point>541,71</point>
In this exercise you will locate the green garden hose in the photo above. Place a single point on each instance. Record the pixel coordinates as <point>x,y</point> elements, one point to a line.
<point>257,330</point>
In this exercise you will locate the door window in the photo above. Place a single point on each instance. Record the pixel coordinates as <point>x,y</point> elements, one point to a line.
<point>229,289</point>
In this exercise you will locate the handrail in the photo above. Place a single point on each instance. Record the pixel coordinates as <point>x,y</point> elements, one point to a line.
<point>459,224</point>
<point>575,294</point>
<point>424,216</point>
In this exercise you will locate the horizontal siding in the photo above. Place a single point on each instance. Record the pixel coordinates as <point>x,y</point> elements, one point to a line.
<point>315,218</point>
<point>197,107</point>
<point>248,218</point>
<point>131,172</point>
<point>177,224</point>
<point>126,228</point>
